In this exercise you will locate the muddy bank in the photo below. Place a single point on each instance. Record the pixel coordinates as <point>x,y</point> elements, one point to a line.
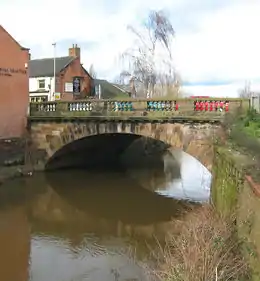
<point>12,156</point>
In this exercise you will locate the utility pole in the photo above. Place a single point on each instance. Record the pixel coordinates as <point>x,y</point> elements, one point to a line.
<point>54,69</point>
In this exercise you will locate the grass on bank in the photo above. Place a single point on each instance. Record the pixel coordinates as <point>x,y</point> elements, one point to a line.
<point>251,124</point>
<point>203,247</point>
<point>243,131</point>
<point>247,122</point>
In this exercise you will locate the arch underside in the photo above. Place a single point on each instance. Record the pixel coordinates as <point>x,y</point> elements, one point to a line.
<point>175,136</point>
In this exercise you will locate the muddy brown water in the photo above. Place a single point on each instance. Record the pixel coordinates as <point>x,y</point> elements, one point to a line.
<point>76,225</point>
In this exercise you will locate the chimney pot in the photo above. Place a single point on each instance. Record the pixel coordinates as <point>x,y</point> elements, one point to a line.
<point>74,51</point>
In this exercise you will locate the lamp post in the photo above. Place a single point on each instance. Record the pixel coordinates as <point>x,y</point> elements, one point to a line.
<point>54,68</point>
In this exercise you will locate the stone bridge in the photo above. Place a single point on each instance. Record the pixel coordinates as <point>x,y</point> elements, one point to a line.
<point>185,124</point>
<point>195,138</point>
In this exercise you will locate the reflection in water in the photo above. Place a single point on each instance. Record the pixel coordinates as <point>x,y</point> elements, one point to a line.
<point>14,233</point>
<point>85,222</point>
<point>55,259</point>
<point>14,244</point>
<point>85,226</point>
<point>194,183</point>
<point>114,196</point>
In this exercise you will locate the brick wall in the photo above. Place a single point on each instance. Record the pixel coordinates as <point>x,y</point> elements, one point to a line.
<point>74,69</point>
<point>14,87</point>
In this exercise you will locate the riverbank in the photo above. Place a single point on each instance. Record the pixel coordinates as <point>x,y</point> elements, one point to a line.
<point>243,132</point>
<point>12,155</point>
<point>202,246</point>
<point>206,244</point>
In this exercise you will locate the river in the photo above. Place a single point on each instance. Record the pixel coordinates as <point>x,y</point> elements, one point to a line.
<point>75,225</point>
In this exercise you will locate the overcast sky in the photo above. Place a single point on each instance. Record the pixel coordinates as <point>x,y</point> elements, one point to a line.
<point>217,41</point>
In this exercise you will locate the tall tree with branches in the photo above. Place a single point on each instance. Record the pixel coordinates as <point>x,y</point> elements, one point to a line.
<point>246,91</point>
<point>92,71</point>
<point>157,30</point>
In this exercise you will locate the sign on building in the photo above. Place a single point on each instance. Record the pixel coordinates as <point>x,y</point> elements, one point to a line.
<point>68,87</point>
<point>57,96</point>
<point>76,85</point>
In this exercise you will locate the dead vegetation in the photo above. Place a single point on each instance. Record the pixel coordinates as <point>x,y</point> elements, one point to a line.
<point>203,247</point>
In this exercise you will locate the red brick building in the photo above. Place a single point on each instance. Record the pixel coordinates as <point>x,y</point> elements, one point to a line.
<point>66,69</point>
<point>14,86</point>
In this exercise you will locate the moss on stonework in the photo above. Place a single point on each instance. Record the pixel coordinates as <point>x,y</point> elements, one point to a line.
<point>234,198</point>
<point>226,182</point>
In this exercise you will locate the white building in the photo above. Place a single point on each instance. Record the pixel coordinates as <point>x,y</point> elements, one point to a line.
<point>41,89</point>
<point>41,78</point>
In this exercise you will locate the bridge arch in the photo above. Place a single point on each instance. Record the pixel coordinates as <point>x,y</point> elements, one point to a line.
<point>196,139</point>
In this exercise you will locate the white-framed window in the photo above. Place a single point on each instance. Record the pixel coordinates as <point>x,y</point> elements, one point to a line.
<point>41,84</point>
<point>68,87</point>
<point>38,98</point>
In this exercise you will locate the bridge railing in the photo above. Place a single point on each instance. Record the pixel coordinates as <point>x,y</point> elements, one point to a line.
<point>149,108</point>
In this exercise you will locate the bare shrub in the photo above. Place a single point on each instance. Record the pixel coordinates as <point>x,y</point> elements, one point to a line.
<point>202,248</point>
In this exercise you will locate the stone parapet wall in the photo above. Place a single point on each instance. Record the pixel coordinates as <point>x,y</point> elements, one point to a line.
<point>237,196</point>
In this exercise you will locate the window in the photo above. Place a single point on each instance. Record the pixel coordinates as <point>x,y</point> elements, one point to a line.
<point>38,98</point>
<point>41,84</point>
<point>68,87</point>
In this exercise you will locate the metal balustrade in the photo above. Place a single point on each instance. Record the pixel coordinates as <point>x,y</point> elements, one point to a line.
<point>80,106</point>
<point>119,106</point>
<point>211,105</point>
<point>162,106</point>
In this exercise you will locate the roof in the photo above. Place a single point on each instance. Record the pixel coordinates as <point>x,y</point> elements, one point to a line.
<point>22,48</point>
<point>44,67</point>
<point>123,88</point>
<point>109,91</point>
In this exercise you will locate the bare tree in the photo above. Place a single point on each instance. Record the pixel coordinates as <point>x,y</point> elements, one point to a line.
<point>246,91</point>
<point>169,82</point>
<point>92,71</point>
<point>118,80</point>
<point>141,60</point>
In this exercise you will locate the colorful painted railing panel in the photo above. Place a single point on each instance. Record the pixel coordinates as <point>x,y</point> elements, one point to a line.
<point>138,108</point>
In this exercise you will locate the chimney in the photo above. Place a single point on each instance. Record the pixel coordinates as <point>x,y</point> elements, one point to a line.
<point>74,51</point>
